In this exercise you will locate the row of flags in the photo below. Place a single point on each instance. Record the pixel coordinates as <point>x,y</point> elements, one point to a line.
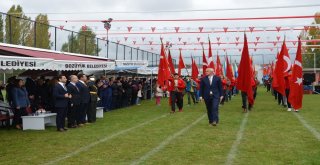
<point>281,71</point>
<point>245,72</point>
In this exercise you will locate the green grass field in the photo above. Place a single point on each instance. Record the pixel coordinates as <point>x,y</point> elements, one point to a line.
<point>148,134</point>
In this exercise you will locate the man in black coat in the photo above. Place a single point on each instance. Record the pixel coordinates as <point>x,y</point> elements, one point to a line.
<point>75,101</point>
<point>85,98</point>
<point>61,100</point>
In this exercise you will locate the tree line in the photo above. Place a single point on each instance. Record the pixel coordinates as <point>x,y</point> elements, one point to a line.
<point>17,28</point>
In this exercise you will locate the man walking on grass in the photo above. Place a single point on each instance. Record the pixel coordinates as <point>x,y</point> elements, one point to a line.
<point>212,93</point>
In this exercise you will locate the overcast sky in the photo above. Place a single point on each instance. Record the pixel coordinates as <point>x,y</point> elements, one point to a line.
<point>66,6</point>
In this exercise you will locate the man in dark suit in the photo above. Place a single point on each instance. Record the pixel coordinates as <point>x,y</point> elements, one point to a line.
<point>74,104</point>
<point>61,100</point>
<point>85,98</point>
<point>212,93</point>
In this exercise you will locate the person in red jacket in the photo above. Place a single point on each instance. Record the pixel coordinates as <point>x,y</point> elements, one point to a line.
<point>176,87</point>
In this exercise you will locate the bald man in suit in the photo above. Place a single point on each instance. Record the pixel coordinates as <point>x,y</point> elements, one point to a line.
<point>212,93</point>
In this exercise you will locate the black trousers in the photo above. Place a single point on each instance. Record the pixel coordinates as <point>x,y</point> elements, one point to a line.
<point>61,116</point>
<point>192,95</point>
<point>92,112</point>
<point>280,99</point>
<point>212,106</point>
<point>176,97</point>
<point>71,115</point>
<point>17,120</point>
<point>224,99</point>
<point>287,95</point>
<point>81,114</point>
<point>275,93</point>
<point>244,98</point>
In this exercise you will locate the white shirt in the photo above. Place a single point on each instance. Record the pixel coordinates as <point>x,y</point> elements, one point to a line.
<point>210,79</point>
<point>63,86</point>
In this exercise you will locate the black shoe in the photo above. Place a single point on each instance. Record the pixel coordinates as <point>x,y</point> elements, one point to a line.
<point>61,130</point>
<point>214,123</point>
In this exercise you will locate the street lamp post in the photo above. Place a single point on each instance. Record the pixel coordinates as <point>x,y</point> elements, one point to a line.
<point>107,26</point>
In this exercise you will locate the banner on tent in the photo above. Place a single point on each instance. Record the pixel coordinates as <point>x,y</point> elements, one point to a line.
<point>13,62</point>
<point>82,65</point>
<point>132,63</point>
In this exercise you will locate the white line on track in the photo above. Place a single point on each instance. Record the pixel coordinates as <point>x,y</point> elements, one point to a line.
<point>87,147</point>
<point>166,142</point>
<point>306,125</point>
<point>233,151</point>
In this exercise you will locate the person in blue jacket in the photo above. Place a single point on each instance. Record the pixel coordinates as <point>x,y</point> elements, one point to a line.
<point>20,102</point>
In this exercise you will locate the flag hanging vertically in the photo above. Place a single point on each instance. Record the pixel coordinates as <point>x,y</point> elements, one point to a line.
<point>194,70</point>
<point>181,64</point>
<point>278,82</point>
<point>171,66</point>
<point>229,72</point>
<point>210,59</point>
<point>219,67</point>
<point>296,85</point>
<point>163,70</point>
<point>245,77</point>
<point>204,62</point>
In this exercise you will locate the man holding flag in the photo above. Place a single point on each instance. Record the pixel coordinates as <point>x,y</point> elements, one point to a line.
<point>245,79</point>
<point>296,86</point>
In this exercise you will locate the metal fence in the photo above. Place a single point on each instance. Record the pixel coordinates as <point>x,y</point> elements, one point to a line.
<point>26,35</point>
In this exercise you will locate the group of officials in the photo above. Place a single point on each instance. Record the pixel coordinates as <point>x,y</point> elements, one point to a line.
<point>75,101</point>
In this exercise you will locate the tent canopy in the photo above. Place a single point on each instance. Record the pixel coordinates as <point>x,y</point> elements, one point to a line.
<point>21,57</point>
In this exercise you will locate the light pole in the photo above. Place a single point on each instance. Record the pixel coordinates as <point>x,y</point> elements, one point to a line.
<point>107,26</point>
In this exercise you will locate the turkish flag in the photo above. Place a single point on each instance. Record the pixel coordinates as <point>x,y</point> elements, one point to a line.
<point>195,70</point>
<point>229,72</point>
<point>210,59</point>
<point>181,64</point>
<point>245,76</point>
<point>163,71</point>
<point>296,85</point>
<point>218,67</point>
<point>171,66</point>
<point>278,82</point>
<point>204,62</point>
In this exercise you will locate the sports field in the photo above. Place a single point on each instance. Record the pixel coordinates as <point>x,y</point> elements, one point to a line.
<point>148,134</point>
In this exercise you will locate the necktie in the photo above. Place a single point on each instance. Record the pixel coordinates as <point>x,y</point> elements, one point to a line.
<point>76,87</point>
<point>64,87</point>
<point>210,79</point>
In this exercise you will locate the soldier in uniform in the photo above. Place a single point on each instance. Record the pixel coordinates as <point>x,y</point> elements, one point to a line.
<point>91,114</point>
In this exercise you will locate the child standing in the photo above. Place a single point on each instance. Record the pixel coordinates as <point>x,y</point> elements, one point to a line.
<point>159,94</point>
